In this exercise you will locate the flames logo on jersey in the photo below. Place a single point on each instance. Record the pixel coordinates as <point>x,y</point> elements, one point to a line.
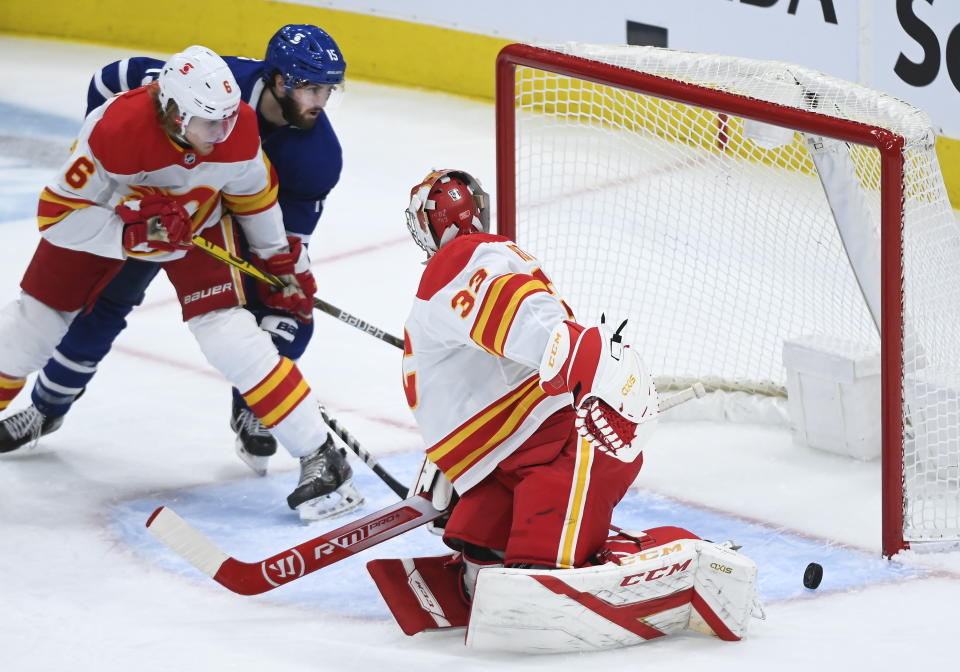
<point>199,201</point>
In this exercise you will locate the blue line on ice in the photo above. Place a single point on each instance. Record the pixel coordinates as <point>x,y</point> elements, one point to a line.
<point>24,133</point>
<point>24,122</point>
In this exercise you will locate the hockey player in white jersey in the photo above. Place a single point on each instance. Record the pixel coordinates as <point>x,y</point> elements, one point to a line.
<point>534,425</point>
<point>520,405</point>
<point>150,169</point>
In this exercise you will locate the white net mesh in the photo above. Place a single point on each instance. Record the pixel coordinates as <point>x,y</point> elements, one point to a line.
<point>720,244</point>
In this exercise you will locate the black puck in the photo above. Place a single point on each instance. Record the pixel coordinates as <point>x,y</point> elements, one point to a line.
<point>812,576</point>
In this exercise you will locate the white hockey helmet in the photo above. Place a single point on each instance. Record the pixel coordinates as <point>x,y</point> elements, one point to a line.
<point>444,205</point>
<point>202,86</point>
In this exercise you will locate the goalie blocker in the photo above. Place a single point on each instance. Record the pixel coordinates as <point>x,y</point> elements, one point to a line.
<point>658,583</point>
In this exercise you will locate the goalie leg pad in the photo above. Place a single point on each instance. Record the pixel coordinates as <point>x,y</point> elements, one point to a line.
<point>683,584</point>
<point>423,593</point>
<point>630,542</point>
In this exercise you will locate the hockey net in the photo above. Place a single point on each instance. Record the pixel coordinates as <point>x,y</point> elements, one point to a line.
<point>726,205</point>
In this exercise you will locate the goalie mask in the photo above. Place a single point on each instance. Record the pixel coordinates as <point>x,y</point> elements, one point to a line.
<point>445,205</point>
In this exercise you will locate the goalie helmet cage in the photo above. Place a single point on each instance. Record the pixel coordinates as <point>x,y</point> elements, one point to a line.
<point>727,204</point>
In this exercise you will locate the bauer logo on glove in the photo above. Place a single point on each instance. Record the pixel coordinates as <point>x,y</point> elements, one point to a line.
<point>612,391</point>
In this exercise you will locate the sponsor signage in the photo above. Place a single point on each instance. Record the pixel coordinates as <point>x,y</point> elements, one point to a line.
<point>908,48</point>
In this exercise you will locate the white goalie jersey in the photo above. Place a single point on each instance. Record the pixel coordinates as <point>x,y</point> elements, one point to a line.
<point>472,347</point>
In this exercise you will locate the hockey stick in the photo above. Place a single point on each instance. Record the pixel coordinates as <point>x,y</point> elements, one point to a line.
<point>253,578</point>
<point>695,391</point>
<point>245,266</point>
<point>367,458</point>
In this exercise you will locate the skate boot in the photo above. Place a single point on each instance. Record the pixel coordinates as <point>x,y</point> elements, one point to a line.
<point>255,444</point>
<point>325,489</point>
<point>26,427</point>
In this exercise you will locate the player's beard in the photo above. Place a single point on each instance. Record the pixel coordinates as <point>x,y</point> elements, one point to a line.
<point>296,115</point>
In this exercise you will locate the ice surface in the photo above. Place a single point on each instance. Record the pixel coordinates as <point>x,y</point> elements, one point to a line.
<point>83,587</point>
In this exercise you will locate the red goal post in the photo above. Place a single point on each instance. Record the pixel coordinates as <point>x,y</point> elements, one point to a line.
<point>591,108</point>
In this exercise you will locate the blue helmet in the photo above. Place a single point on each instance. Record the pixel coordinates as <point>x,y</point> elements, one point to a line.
<point>304,53</point>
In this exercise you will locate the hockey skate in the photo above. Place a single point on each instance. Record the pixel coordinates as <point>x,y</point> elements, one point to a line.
<point>255,444</point>
<point>26,427</point>
<point>325,489</point>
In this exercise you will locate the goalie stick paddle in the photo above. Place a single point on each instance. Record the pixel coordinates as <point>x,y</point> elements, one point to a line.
<point>245,266</point>
<point>253,578</point>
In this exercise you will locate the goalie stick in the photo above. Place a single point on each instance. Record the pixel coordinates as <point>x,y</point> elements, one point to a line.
<point>695,391</point>
<point>253,578</point>
<point>245,266</point>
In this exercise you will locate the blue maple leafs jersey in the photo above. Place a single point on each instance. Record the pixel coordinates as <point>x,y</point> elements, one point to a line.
<point>308,163</point>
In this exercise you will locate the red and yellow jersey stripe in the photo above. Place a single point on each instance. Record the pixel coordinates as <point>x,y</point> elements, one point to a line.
<point>499,308</point>
<point>274,397</point>
<point>476,438</point>
<point>54,207</point>
<point>9,388</point>
<point>251,204</point>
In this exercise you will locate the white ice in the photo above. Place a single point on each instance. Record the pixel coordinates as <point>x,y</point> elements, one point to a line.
<point>83,587</point>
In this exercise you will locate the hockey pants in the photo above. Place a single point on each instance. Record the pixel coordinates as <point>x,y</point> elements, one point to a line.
<point>91,335</point>
<point>549,503</point>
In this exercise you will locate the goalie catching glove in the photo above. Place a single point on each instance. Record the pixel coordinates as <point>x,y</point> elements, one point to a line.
<point>155,223</point>
<point>613,393</point>
<point>293,268</point>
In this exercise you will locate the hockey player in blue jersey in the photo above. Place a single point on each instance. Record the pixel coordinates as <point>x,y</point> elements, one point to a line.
<point>303,67</point>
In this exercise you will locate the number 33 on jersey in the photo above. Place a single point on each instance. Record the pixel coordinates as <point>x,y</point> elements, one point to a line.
<point>474,339</point>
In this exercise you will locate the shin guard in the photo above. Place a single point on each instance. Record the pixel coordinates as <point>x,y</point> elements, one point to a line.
<point>9,388</point>
<point>285,405</point>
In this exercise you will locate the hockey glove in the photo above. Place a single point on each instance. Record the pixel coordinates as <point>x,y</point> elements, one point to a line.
<point>431,481</point>
<point>612,392</point>
<point>155,223</point>
<point>293,268</point>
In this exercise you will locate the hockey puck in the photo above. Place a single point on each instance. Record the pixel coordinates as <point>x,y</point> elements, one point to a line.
<point>812,576</point>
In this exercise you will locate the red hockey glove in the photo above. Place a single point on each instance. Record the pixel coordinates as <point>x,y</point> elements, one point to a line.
<point>293,268</point>
<point>612,392</point>
<point>155,223</point>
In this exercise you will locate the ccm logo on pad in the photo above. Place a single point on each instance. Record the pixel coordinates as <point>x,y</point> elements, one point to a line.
<point>655,574</point>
